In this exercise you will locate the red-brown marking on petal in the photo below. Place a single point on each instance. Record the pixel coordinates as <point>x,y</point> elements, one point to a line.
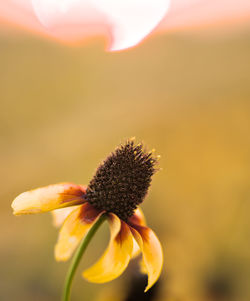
<point>144,231</point>
<point>137,218</point>
<point>88,213</point>
<point>123,233</point>
<point>117,255</point>
<point>73,192</point>
<point>74,228</point>
<point>134,220</point>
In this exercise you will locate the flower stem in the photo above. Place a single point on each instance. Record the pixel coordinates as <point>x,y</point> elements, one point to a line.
<point>77,257</point>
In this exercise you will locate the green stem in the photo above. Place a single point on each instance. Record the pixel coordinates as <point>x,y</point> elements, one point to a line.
<point>77,257</point>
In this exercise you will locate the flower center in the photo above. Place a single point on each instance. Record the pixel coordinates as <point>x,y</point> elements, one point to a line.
<point>122,180</point>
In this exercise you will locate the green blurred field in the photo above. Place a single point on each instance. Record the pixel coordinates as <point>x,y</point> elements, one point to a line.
<point>64,109</point>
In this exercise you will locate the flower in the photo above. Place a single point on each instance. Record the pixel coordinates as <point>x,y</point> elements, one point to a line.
<point>120,184</point>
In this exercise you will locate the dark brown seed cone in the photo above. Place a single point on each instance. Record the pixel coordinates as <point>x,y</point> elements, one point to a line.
<point>122,180</point>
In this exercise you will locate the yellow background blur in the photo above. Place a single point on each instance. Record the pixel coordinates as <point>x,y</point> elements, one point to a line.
<point>64,109</point>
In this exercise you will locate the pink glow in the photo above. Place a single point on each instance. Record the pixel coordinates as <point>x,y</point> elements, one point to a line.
<point>197,13</point>
<point>124,23</point>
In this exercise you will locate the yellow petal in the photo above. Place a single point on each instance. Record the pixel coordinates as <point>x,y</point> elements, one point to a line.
<point>142,267</point>
<point>48,198</point>
<point>59,215</point>
<point>116,257</point>
<point>136,249</point>
<point>151,251</point>
<point>139,219</point>
<point>74,229</point>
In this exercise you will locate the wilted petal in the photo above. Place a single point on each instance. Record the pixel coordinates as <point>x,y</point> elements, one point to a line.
<point>116,257</point>
<point>74,229</point>
<point>151,251</point>
<point>48,198</point>
<point>59,215</point>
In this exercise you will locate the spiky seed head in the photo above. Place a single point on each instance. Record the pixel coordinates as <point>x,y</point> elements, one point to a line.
<point>121,182</point>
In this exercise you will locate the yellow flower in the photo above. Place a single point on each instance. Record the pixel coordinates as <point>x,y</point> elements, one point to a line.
<point>120,184</point>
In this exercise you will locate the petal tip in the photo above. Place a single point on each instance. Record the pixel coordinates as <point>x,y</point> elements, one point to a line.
<point>60,255</point>
<point>152,252</point>
<point>61,259</point>
<point>20,206</point>
<point>16,213</point>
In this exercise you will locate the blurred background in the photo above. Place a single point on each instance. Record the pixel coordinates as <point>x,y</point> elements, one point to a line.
<point>63,109</point>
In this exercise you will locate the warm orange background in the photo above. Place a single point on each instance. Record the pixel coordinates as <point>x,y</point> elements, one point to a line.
<point>63,109</point>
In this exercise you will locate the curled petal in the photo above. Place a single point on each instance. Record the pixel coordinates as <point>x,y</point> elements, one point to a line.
<point>48,198</point>
<point>151,251</point>
<point>142,267</point>
<point>59,215</point>
<point>136,249</point>
<point>137,218</point>
<point>116,257</point>
<point>74,229</point>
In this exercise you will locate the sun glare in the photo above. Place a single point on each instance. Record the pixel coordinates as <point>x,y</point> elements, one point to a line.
<point>128,22</point>
<point>123,23</point>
